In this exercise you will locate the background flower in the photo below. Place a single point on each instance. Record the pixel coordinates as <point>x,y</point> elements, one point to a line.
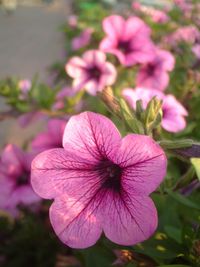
<point>91,72</point>
<point>124,39</point>
<point>15,188</point>
<point>155,73</point>
<point>174,113</point>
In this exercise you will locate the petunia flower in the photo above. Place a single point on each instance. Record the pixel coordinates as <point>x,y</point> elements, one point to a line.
<point>128,40</point>
<point>91,72</point>
<point>173,112</point>
<point>82,40</point>
<point>100,182</point>
<point>15,188</point>
<point>155,73</point>
<point>52,137</point>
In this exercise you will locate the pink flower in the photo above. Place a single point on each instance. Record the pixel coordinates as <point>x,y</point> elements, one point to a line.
<point>15,188</point>
<point>128,40</point>
<point>24,86</point>
<point>196,50</point>
<point>82,40</point>
<point>100,182</point>
<point>51,138</point>
<point>173,112</point>
<point>155,73</point>
<point>189,34</point>
<point>73,21</point>
<point>30,117</point>
<point>159,16</point>
<point>91,72</point>
<point>65,92</point>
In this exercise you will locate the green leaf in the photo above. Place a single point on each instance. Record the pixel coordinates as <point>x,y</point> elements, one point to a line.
<point>183,200</point>
<point>174,233</point>
<point>196,163</point>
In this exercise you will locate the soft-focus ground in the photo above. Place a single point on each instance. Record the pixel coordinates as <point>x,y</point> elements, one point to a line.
<point>30,42</point>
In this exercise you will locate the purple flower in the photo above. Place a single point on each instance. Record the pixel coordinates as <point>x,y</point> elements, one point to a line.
<point>91,72</point>
<point>128,40</point>
<point>82,40</point>
<point>173,112</point>
<point>51,138</point>
<point>100,182</point>
<point>15,188</point>
<point>155,73</point>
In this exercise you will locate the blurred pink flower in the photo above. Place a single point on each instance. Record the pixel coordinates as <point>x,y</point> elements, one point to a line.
<point>15,188</point>
<point>73,21</point>
<point>82,40</point>
<point>158,16</point>
<point>196,50</point>
<point>155,73</point>
<point>24,86</point>
<point>128,40</point>
<point>30,117</point>
<point>173,112</point>
<point>189,34</point>
<point>100,182</point>
<point>186,6</point>
<point>65,92</point>
<point>52,137</point>
<point>91,72</point>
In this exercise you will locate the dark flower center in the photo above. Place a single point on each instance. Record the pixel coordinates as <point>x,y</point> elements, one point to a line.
<point>23,179</point>
<point>124,46</point>
<point>110,174</point>
<point>150,69</point>
<point>94,73</point>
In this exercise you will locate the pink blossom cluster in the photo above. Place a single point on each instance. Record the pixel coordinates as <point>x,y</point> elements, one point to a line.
<point>123,39</point>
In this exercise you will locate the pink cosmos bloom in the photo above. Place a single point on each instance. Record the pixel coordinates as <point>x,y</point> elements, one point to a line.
<point>100,182</point>
<point>128,40</point>
<point>82,40</point>
<point>24,86</point>
<point>51,138</point>
<point>15,185</point>
<point>173,112</point>
<point>155,73</point>
<point>91,72</point>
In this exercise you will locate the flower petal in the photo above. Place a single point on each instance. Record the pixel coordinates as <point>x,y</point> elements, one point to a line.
<point>144,164</point>
<point>76,67</point>
<point>129,220</point>
<point>94,58</point>
<point>114,26</point>
<point>56,172</point>
<point>134,26</point>
<point>91,135</point>
<point>76,222</point>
